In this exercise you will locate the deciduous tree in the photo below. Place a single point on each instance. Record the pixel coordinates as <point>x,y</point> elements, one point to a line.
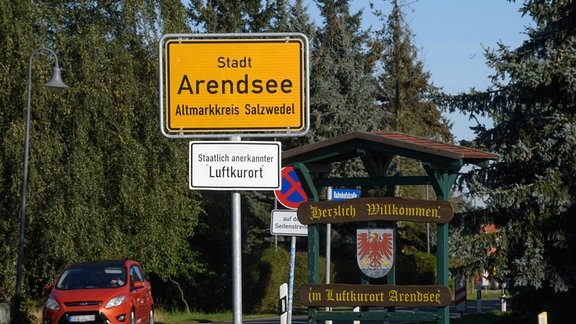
<point>103,182</point>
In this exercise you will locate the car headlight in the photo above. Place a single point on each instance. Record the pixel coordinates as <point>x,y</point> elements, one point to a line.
<point>114,302</point>
<point>52,304</point>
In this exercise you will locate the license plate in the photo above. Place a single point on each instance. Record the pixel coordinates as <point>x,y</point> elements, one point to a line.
<point>81,318</point>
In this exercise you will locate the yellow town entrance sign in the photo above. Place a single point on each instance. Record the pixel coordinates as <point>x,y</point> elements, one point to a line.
<point>235,85</point>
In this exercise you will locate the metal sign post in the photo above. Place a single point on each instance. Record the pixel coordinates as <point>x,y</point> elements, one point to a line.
<point>236,254</point>
<point>335,194</point>
<point>236,259</point>
<point>291,278</point>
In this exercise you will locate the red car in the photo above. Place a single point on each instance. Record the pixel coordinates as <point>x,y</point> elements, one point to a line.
<point>100,292</point>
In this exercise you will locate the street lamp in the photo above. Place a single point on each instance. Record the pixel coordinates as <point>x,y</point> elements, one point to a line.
<point>55,82</point>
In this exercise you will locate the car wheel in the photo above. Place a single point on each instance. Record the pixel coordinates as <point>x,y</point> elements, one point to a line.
<point>131,320</point>
<point>151,316</point>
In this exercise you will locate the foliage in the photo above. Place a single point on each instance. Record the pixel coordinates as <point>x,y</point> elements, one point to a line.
<point>12,73</point>
<point>530,191</point>
<point>528,302</point>
<point>341,75</point>
<point>225,16</point>
<point>21,310</point>
<point>418,268</point>
<point>102,182</point>
<point>404,90</point>
<point>271,269</point>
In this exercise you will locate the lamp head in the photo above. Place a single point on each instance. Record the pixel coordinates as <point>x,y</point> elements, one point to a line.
<point>56,80</point>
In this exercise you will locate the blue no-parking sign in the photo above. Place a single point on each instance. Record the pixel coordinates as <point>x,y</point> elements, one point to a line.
<point>291,193</point>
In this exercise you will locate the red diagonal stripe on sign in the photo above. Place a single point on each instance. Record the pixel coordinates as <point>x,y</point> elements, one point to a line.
<point>295,186</point>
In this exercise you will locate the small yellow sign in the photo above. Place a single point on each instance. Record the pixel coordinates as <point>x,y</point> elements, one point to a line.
<point>235,85</point>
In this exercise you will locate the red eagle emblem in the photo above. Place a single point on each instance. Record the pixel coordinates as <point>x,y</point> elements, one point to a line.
<point>375,251</point>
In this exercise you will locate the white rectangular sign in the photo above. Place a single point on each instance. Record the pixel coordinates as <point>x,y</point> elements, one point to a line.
<point>233,165</point>
<point>285,222</point>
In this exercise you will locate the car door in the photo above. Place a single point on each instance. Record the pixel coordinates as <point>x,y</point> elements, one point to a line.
<point>139,295</point>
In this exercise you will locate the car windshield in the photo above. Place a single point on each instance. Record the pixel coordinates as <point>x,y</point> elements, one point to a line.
<point>93,276</point>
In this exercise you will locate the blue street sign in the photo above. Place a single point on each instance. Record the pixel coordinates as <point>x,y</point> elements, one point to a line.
<point>343,194</point>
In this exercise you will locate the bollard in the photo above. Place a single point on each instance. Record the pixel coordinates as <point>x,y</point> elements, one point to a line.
<point>283,303</point>
<point>460,293</point>
<point>4,313</point>
<point>479,297</point>
<point>503,305</point>
<point>356,309</point>
<point>543,318</point>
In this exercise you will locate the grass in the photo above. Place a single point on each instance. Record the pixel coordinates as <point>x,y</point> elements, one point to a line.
<point>169,317</point>
<point>471,293</point>
<point>190,317</point>
<point>195,318</point>
<point>486,294</point>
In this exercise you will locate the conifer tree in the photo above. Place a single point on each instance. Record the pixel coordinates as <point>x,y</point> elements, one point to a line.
<point>530,191</point>
<point>405,96</point>
<point>405,91</point>
<point>226,16</point>
<point>342,86</point>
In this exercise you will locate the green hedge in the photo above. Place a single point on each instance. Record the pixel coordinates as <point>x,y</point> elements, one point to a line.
<point>263,277</point>
<point>418,268</point>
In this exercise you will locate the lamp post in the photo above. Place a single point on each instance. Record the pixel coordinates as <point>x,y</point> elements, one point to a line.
<point>55,82</point>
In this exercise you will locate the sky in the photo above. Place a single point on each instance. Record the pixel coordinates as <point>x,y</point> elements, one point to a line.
<point>450,35</point>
